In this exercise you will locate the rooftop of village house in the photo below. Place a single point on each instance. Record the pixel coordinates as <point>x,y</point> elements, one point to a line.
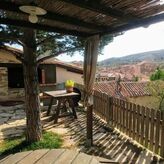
<point>18,53</point>
<point>124,89</point>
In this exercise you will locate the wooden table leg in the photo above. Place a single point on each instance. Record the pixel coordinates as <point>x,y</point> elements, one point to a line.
<point>50,106</point>
<point>64,108</point>
<point>73,108</point>
<point>56,115</point>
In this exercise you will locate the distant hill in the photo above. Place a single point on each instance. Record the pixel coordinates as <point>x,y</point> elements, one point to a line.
<point>154,56</point>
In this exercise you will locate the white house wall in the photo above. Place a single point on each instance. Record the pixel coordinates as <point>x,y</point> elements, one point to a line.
<point>62,75</point>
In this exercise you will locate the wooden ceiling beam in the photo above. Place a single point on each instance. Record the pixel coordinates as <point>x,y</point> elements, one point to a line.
<point>21,23</point>
<point>9,6</point>
<point>95,5</point>
<point>135,24</point>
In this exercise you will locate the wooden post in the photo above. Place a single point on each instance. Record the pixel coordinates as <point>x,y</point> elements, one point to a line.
<point>109,111</point>
<point>89,141</point>
<point>162,134</point>
<point>43,77</point>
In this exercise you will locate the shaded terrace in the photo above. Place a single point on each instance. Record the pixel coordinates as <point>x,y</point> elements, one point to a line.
<point>108,143</point>
<point>88,19</point>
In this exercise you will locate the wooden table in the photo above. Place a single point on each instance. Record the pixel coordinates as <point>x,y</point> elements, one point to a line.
<point>62,96</point>
<point>46,156</point>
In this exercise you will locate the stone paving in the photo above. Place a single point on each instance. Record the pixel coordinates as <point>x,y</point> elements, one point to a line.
<point>12,121</point>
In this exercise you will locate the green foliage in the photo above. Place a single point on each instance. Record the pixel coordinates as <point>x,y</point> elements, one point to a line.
<point>135,78</point>
<point>157,90</point>
<point>158,75</point>
<point>50,140</point>
<point>49,40</point>
<point>105,40</point>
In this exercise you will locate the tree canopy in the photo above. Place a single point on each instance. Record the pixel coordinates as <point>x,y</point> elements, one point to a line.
<point>157,90</point>
<point>156,86</point>
<point>57,43</point>
<point>35,45</point>
<point>157,75</point>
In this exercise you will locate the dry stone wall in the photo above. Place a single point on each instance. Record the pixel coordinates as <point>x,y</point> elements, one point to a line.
<point>12,121</point>
<point>3,82</point>
<point>5,92</point>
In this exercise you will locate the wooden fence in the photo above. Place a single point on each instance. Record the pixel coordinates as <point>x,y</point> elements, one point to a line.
<point>142,124</point>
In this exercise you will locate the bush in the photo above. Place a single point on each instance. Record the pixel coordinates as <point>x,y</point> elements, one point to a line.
<point>158,75</point>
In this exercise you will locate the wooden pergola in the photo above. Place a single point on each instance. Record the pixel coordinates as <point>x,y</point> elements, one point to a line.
<point>85,18</point>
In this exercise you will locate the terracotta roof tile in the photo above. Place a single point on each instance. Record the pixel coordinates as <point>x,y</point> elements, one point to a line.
<point>123,89</point>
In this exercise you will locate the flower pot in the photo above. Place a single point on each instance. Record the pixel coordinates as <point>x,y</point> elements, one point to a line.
<point>69,89</point>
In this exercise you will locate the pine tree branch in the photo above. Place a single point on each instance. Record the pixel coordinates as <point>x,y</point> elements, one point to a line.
<point>46,40</point>
<point>20,42</point>
<point>10,37</point>
<point>58,53</point>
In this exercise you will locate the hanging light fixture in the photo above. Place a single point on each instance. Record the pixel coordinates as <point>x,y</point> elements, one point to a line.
<point>33,12</point>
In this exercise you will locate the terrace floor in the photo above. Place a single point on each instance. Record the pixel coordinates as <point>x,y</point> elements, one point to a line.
<point>108,143</point>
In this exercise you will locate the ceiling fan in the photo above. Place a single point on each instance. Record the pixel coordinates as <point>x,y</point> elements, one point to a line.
<point>33,12</point>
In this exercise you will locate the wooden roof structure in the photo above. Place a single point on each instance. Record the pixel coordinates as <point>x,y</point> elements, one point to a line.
<point>85,17</point>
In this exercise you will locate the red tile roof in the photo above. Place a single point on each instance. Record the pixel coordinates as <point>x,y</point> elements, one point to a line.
<point>123,89</point>
<point>135,89</point>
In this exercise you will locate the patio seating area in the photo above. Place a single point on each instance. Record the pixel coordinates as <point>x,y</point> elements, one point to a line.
<point>108,143</point>
<point>46,29</point>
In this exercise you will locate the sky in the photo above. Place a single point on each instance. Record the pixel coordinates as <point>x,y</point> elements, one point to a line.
<point>131,42</point>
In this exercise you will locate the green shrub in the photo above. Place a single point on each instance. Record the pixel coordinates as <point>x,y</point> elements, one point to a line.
<point>158,75</point>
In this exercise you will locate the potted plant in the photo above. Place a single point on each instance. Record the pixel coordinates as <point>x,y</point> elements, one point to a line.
<point>69,84</point>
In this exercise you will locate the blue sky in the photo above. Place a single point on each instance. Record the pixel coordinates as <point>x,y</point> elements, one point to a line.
<point>131,42</point>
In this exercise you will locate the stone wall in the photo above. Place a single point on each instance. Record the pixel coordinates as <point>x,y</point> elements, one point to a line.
<point>16,93</point>
<point>12,121</point>
<point>5,92</point>
<point>3,82</point>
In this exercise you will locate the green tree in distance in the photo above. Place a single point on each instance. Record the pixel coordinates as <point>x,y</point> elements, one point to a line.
<point>158,75</point>
<point>135,78</point>
<point>157,90</point>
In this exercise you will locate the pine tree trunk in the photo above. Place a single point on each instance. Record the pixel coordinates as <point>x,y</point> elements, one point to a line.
<point>32,103</point>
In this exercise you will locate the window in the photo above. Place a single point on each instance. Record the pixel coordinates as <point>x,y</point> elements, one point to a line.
<point>15,77</point>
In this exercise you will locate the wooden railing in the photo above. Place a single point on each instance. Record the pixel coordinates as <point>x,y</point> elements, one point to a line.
<point>142,124</point>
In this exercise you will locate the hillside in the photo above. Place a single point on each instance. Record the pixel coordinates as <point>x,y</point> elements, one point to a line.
<point>154,56</point>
